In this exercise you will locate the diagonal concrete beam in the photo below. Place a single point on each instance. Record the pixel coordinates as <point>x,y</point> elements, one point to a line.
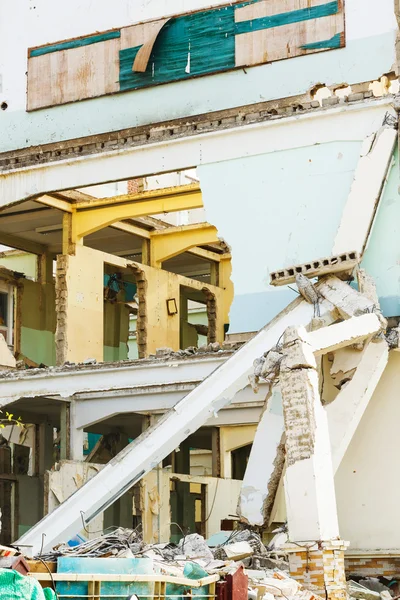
<point>346,411</point>
<point>346,333</point>
<point>369,179</point>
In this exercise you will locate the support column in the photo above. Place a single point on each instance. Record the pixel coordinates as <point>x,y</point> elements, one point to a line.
<point>320,567</point>
<point>216,452</point>
<point>71,436</point>
<point>309,482</point>
<point>80,306</point>
<point>265,465</point>
<point>45,444</point>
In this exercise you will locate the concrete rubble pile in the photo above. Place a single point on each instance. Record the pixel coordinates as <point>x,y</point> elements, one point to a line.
<point>266,575</point>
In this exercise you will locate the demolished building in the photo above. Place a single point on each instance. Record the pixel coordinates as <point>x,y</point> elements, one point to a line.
<point>252,176</point>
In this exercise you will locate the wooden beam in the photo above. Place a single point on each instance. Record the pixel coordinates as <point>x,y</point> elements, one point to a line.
<point>192,583</point>
<point>55,203</point>
<point>14,241</point>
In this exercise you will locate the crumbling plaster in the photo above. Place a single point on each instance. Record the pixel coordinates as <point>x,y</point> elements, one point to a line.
<point>370,33</point>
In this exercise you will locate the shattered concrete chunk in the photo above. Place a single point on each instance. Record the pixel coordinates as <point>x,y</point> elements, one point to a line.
<point>194,546</point>
<point>393,338</point>
<point>301,356</point>
<point>163,352</point>
<point>293,333</point>
<point>271,365</point>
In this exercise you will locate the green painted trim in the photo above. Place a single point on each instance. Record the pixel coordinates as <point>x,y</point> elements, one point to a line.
<point>334,42</point>
<point>295,16</point>
<point>207,37</point>
<point>77,43</point>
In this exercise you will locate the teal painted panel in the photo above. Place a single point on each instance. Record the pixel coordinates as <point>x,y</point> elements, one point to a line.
<point>187,46</point>
<point>120,566</point>
<point>334,42</point>
<point>288,18</point>
<point>78,43</point>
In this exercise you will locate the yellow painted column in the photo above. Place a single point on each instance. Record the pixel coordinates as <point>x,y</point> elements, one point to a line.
<point>162,327</point>
<point>225,282</point>
<point>80,306</point>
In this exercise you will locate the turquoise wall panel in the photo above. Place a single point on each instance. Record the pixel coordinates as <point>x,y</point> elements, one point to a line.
<point>77,43</point>
<point>121,566</point>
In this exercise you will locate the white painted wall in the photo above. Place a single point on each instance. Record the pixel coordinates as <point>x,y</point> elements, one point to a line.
<point>370,52</point>
<point>368,480</point>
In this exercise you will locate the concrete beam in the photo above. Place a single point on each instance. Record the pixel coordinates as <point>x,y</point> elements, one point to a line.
<point>14,241</point>
<point>369,179</point>
<point>346,299</point>
<point>96,216</point>
<point>309,483</point>
<point>65,383</point>
<point>346,333</point>
<point>132,229</point>
<point>169,242</point>
<point>57,203</point>
<point>349,122</point>
<point>346,411</point>
<point>265,464</point>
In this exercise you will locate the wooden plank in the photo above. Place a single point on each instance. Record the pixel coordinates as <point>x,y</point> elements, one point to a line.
<point>144,35</point>
<point>286,41</point>
<point>74,74</point>
<point>105,577</point>
<point>269,8</point>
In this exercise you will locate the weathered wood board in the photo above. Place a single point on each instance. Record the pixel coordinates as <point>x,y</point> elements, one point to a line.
<point>241,34</point>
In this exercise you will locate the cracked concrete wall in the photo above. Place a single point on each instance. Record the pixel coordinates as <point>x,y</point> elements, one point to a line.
<point>370,33</point>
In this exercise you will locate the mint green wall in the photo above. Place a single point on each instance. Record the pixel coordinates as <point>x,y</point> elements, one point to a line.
<point>112,353</point>
<point>290,205</point>
<point>23,263</point>
<point>38,346</point>
<point>382,257</point>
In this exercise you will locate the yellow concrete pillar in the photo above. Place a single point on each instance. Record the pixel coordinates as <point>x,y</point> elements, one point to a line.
<point>80,306</point>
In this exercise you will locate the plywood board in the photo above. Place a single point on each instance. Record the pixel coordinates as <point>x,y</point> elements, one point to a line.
<point>182,47</point>
<point>73,74</point>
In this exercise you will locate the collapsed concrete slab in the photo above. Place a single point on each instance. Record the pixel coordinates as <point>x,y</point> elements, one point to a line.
<point>147,451</point>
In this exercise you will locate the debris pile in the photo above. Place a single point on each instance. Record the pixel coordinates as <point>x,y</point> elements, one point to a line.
<point>370,588</point>
<point>267,577</point>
